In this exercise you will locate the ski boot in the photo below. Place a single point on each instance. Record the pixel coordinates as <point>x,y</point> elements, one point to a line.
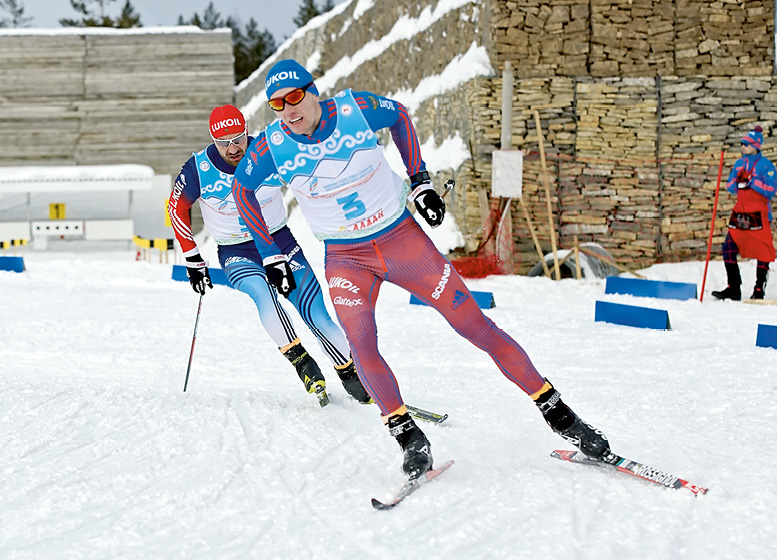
<point>308,371</point>
<point>733,290</point>
<point>569,425</point>
<point>417,449</point>
<point>760,283</point>
<point>352,384</point>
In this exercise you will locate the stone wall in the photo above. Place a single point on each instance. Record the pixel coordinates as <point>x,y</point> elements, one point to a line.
<point>632,162</point>
<point>610,38</point>
<point>103,96</point>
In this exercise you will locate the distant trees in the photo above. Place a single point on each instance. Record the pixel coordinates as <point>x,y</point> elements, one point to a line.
<point>308,10</point>
<point>89,18</point>
<point>250,47</point>
<point>16,10</point>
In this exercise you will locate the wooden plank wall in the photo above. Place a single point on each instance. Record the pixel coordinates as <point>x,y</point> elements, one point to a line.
<point>104,96</point>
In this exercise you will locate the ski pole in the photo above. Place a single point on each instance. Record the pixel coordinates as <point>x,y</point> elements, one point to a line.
<point>449,184</point>
<point>194,339</point>
<point>712,227</point>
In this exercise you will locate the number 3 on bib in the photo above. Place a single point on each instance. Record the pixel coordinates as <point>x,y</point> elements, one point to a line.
<point>352,206</point>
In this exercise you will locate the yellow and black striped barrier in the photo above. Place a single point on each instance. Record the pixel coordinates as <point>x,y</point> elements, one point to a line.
<point>14,264</point>
<point>161,244</point>
<point>13,243</point>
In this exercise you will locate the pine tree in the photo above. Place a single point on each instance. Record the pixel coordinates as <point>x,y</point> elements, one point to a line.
<point>127,18</point>
<point>211,19</point>
<point>16,11</point>
<point>327,6</point>
<point>253,48</point>
<point>250,49</point>
<point>88,18</point>
<point>307,11</point>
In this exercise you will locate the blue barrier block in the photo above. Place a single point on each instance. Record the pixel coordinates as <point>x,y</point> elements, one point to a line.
<point>650,288</point>
<point>485,300</point>
<point>632,316</point>
<point>13,264</point>
<point>767,336</point>
<point>217,275</point>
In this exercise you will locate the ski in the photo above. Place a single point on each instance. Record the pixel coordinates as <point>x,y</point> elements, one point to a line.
<point>411,486</point>
<point>425,415</point>
<point>761,301</point>
<point>626,466</point>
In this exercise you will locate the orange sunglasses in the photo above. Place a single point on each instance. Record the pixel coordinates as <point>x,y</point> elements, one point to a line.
<point>294,97</point>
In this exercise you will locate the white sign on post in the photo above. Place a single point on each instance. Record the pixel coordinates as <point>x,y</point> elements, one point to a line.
<point>507,173</point>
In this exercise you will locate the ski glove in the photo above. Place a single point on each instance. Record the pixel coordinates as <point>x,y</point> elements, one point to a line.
<point>279,274</point>
<point>197,271</point>
<point>743,179</point>
<point>428,203</point>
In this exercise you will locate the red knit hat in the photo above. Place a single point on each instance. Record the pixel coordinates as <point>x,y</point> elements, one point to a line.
<point>225,120</point>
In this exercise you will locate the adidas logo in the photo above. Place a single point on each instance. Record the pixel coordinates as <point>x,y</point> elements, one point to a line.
<point>458,299</point>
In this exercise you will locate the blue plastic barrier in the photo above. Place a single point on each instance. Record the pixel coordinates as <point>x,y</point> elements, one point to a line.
<point>13,264</point>
<point>632,316</point>
<point>485,300</point>
<point>767,336</point>
<point>650,288</point>
<point>217,275</point>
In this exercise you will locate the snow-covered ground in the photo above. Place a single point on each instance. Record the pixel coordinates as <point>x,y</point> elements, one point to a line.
<point>103,456</point>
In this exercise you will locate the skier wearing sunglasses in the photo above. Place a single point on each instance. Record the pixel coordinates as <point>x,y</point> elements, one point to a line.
<point>207,177</point>
<point>327,153</point>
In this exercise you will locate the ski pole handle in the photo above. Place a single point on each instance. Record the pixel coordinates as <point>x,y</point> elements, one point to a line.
<point>449,184</point>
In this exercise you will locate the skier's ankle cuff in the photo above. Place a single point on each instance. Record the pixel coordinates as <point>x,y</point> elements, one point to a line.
<point>398,412</point>
<point>538,394</point>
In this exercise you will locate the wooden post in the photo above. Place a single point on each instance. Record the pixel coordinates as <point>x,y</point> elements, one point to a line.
<point>507,107</point>
<point>547,195</point>
<point>534,237</point>
<point>507,144</point>
<point>712,225</point>
<point>579,273</point>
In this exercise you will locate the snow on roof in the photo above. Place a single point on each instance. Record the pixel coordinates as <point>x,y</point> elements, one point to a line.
<point>34,31</point>
<point>75,178</point>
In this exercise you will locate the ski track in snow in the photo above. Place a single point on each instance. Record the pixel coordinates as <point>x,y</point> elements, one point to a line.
<point>104,456</point>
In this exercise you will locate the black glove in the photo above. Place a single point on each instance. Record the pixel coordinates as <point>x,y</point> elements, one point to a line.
<point>197,271</point>
<point>428,203</point>
<point>279,274</point>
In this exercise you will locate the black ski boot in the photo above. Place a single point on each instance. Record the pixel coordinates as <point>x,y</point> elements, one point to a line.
<point>761,275</point>
<point>308,371</point>
<point>570,426</point>
<point>352,384</point>
<point>733,291</point>
<point>417,449</point>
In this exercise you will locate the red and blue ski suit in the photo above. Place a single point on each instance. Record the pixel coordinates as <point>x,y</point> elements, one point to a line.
<point>357,206</point>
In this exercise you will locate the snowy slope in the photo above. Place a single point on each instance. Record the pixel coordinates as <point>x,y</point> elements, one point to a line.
<point>104,456</point>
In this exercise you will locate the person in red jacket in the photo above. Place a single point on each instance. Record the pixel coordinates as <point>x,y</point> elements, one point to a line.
<point>753,179</point>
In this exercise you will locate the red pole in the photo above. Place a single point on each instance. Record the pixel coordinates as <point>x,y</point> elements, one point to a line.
<point>712,227</point>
